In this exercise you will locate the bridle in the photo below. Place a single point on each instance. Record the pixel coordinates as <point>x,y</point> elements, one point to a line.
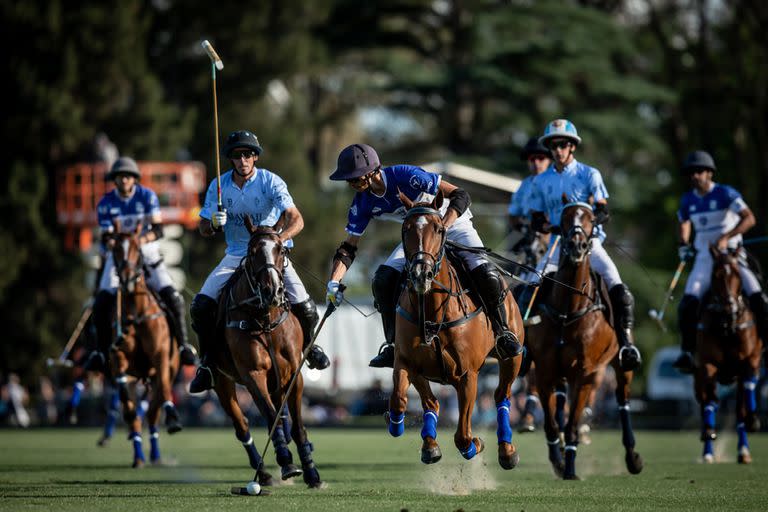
<point>728,304</point>
<point>577,250</point>
<point>259,298</point>
<point>423,265</point>
<point>135,271</point>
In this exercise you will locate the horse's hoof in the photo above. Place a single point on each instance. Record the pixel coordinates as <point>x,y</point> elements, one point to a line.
<point>312,478</point>
<point>709,458</point>
<point>508,460</point>
<point>559,469</point>
<point>174,427</point>
<point>431,455</point>
<point>290,471</point>
<point>634,462</point>
<point>745,458</point>
<point>102,442</point>
<point>571,477</point>
<point>479,444</point>
<point>264,479</point>
<point>138,464</point>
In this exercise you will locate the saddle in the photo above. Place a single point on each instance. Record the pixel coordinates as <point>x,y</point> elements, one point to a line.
<point>602,299</point>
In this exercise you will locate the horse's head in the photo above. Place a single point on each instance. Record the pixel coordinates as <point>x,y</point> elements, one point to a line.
<point>577,224</point>
<point>265,263</point>
<point>423,241</point>
<point>127,256</point>
<point>726,280</point>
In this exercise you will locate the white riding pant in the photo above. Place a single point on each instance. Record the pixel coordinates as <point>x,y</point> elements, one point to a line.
<point>294,288</point>
<point>701,276</point>
<point>598,260</point>
<point>157,275</point>
<point>463,233</point>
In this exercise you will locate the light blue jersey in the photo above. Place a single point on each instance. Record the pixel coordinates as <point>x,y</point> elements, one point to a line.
<point>519,204</point>
<point>577,181</point>
<point>264,197</point>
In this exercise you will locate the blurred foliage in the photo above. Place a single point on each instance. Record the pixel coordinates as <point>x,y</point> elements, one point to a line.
<point>421,80</point>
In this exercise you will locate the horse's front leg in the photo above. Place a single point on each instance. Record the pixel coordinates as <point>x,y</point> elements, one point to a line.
<point>398,401</point>
<point>580,391</point>
<point>706,394</point>
<point>508,370</point>
<point>225,390</point>
<point>119,362</point>
<point>467,393</point>
<point>430,450</point>
<point>157,342</point>
<point>551,430</point>
<point>746,419</point>
<point>632,459</point>
<point>299,435</point>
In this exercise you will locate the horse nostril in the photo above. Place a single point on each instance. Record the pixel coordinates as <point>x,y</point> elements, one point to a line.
<point>430,275</point>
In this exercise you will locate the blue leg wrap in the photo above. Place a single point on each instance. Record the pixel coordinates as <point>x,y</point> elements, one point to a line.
<point>750,402</point>
<point>112,414</point>
<point>741,430</point>
<point>430,425</point>
<point>627,436</point>
<point>305,453</point>
<point>154,444</point>
<point>553,447</point>
<point>708,415</point>
<point>254,459</point>
<point>503,429</point>
<point>470,452</point>
<point>396,423</point>
<point>708,447</point>
<point>142,409</point>
<point>138,451</point>
<point>77,394</point>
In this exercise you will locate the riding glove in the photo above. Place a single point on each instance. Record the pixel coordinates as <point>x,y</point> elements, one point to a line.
<point>686,252</point>
<point>334,293</point>
<point>219,219</point>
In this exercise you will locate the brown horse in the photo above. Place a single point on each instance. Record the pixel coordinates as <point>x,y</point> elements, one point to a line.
<point>727,348</point>
<point>143,348</point>
<point>574,341</point>
<point>442,335</point>
<point>262,351</point>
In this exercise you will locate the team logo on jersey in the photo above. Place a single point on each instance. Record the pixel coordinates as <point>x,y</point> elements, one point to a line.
<point>353,210</point>
<point>229,202</point>
<point>418,182</point>
<point>692,208</point>
<point>114,211</point>
<point>139,208</point>
<point>375,210</point>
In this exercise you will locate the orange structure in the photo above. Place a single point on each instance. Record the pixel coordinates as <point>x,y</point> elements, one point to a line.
<point>80,187</point>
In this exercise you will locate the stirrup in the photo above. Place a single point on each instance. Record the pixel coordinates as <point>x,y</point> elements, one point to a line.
<point>507,345</point>
<point>385,357</point>
<point>187,355</point>
<point>203,380</point>
<point>316,359</point>
<point>96,362</point>
<point>629,358</point>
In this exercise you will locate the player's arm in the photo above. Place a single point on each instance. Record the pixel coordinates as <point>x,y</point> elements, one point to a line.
<point>290,223</point>
<point>746,222</point>
<point>344,257</point>
<point>460,202</point>
<point>156,232</point>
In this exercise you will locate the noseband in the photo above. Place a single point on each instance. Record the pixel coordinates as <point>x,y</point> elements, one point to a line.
<point>422,256</point>
<point>576,251</point>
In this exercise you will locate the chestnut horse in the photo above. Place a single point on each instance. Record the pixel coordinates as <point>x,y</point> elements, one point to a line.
<point>262,351</point>
<point>143,348</point>
<point>727,348</point>
<point>574,341</point>
<point>442,335</point>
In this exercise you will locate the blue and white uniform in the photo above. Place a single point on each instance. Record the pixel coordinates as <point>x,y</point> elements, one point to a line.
<point>519,202</point>
<point>419,186</point>
<point>141,207</point>
<point>264,196</point>
<point>712,215</point>
<point>578,182</point>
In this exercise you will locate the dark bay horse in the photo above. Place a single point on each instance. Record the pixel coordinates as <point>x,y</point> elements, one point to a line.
<point>262,349</point>
<point>574,342</point>
<point>143,348</point>
<point>442,335</point>
<point>728,349</point>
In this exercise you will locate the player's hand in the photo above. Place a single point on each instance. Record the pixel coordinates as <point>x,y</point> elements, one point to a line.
<point>334,293</point>
<point>686,252</point>
<point>219,219</point>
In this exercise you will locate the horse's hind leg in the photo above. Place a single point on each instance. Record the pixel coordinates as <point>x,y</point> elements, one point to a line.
<point>299,435</point>
<point>467,392</point>
<point>225,390</point>
<point>508,456</point>
<point>706,394</point>
<point>632,459</point>
<point>746,406</point>
<point>430,450</point>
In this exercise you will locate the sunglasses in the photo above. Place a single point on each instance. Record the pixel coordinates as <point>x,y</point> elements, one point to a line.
<point>560,144</point>
<point>364,178</point>
<point>246,153</point>
<point>537,158</point>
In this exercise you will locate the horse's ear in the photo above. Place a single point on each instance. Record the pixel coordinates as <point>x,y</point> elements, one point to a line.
<point>404,199</point>
<point>437,202</point>
<point>564,198</point>
<point>249,224</point>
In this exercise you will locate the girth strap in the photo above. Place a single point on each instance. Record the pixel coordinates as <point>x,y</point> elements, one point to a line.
<point>567,319</point>
<point>255,326</point>
<point>435,327</point>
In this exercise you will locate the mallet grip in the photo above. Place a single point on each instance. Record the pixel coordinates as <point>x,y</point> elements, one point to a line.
<point>215,59</point>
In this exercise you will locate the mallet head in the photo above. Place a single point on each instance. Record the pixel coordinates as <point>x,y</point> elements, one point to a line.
<point>215,59</point>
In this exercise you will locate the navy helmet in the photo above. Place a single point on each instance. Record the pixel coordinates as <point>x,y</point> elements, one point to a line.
<point>124,165</point>
<point>698,160</point>
<point>241,139</point>
<point>534,147</point>
<point>355,161</point>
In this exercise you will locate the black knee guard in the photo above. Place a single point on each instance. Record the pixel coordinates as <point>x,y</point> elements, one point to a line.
<point>623,306</point>
<point>175,303</point>
<point>687,318</point>
<point>492,289</point>
<point>103,309</point>
<point>306,312</point>
<point>386,291</point>
<point>203,311</point>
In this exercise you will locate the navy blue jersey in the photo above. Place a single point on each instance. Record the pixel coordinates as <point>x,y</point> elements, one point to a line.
<point>712,214</point>
<point>142,206</point>
<point>416,183</point>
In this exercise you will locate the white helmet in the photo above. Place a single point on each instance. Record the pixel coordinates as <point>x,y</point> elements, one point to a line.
<point>560,129</point>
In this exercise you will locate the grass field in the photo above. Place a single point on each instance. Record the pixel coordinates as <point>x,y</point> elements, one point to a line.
<point>368,471</point>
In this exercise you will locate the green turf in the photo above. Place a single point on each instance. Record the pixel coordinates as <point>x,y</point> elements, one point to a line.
<point>63,470</point>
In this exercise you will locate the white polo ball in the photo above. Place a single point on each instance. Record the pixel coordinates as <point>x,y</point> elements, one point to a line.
<point>253,488</point>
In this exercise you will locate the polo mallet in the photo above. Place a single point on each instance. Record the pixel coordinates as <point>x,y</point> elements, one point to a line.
<point>658,315</point>
<point>216,63</point>
<point>328,311</point>
<point>62,359</point>
<point>536,290</point>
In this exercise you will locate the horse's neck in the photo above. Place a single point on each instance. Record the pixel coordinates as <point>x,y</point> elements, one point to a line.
<point>141,301</point>
<point>579,277</point>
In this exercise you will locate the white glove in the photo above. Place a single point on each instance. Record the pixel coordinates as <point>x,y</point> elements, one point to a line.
<point>219,219</point>
<point>334,293</point>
